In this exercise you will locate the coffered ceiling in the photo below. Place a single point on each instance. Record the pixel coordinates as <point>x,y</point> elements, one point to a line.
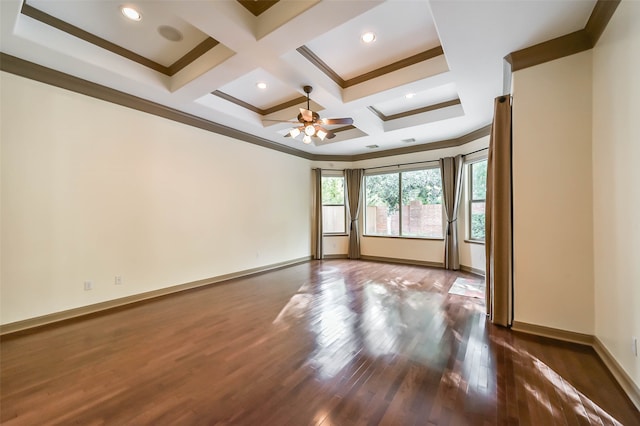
<point>430,75</point>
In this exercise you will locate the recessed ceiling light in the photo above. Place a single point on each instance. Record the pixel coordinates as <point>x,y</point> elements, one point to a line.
<point>368,37</point>
<point>261,85</point>
<point>410,140</point>
<point>131,13</point>
<point>409,95</point>
<point>372,146</point>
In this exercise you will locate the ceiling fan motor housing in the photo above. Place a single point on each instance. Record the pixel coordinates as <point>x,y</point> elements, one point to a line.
<point>315,117</point>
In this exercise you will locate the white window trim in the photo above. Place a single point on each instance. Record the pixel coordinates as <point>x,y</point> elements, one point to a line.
<point>469,195</point>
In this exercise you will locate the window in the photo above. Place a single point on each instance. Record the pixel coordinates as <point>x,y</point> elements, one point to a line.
<point>477,194</point>
<point>404,204</point>
<point>333,209</point>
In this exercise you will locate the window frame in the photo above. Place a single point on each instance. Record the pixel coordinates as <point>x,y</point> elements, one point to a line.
<point>399,173</point>
<point>471,200</point>
<point>337,174</point>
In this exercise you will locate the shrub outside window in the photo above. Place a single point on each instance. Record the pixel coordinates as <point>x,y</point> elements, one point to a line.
<point>404,204</point>
<point>333,206</point>
<point>477,194</point>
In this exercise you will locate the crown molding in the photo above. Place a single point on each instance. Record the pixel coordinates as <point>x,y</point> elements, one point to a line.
<point>257,8</point>
<point>568,44</point>
<point>600,17</point>
<point>430,146</point>
<point>22,68</point>
<point>55,78</point>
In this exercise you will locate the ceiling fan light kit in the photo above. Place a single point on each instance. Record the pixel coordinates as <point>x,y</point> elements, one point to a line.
<point>310,123</point>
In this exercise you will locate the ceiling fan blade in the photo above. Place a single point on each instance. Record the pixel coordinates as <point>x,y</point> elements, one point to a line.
<point>331,121</point>
<point>306,114</point>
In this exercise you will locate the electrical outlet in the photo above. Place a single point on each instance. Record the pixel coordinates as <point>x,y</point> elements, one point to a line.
<point>634,346</point>
<point>118,280</point>
<point>88,285</point>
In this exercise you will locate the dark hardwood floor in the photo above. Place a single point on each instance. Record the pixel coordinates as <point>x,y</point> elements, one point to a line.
<point>325,343</point>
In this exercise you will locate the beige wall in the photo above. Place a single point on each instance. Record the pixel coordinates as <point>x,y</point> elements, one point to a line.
<point>419,250</point>
<point>553,246</point>
<point>616,189</point>
<point>91,190</point>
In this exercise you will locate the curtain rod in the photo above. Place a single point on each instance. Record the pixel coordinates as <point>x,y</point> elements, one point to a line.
<point>402,164</point>
<point>408,164</point>
<point>477,150</point>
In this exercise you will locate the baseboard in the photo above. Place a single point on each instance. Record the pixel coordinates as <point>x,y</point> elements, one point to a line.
<point>623,379</point>
<point>18,326</point>
<point>472,270</point>
<point>630,388</point>
<point>335,256</point>
<point>403,261</point>
<point>553,333</point>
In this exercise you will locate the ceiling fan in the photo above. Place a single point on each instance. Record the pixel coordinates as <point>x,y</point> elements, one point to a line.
<point>310,123</point>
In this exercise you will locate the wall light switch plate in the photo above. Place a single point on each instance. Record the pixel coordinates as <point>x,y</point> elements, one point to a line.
<point>88,285</point>
<point>118,280</point>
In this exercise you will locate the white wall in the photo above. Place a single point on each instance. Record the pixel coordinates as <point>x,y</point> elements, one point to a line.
<point>419,250</point>
<point>552,178</point>
<point>91,190</point>
<point>616,189</point>
<point>335,245</point>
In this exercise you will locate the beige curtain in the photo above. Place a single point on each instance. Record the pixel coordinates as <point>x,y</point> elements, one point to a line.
<point>353,178</point>
<point>316,235</point>
<point>451,173</point>
<point>498,232</point>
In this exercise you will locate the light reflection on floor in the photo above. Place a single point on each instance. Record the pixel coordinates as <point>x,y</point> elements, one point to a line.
<point>583,407</point>
<point>378,318</point>
<point>351,317</point>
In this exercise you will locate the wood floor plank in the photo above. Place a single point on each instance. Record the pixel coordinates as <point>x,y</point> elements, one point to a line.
<point>334,342</point>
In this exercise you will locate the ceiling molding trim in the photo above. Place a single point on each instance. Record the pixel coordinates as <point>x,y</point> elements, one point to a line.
<point>403,63</point>
<point>237,101</point>
<point>387,69</point>
<point>414,111</point>
<point>36,72</point>
<point>600,17</point>
<point>74,31</point>
<point>257,7</point>
<point>318,63</point>
<point>568,44</point>
<point>202,48</point>
<point>449,143</point>
<point>243,104</point>
<point>288,104</point>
